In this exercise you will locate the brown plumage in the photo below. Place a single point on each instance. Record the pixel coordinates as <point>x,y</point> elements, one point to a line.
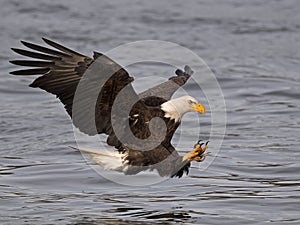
<point>63,71</point>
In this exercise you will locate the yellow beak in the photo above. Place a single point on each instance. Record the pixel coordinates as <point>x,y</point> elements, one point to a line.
<point>199,108</point>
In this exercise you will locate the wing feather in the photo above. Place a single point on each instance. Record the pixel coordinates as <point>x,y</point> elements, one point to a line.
<point>30,71</point>
<point>45,50</point>
<point>34,55</point>
<point>168,88</point>
<point>62,69</point>
<point>32,63</point>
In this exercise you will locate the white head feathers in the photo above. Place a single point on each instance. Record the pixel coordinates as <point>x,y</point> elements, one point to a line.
<point>176,108</point>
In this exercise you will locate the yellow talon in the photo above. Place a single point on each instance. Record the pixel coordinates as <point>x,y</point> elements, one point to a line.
<point>197,154</point>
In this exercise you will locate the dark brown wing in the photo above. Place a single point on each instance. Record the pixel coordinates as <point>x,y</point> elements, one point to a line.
<point>64,70</point>
<point>165,90</point>
<point>61,70</point>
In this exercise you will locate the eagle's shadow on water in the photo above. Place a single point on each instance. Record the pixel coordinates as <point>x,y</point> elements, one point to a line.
<point>136,216</point>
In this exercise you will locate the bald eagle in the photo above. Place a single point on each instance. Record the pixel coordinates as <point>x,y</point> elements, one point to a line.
<point>62,70</point>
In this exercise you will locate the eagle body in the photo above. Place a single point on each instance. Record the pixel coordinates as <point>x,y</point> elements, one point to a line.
<point>139,127</point>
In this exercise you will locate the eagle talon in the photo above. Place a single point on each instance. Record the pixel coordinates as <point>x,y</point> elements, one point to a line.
<point>197,154</point>
<point>198,145</point>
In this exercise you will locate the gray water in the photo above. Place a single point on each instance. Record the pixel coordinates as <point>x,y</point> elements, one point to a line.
<point>253,47</point>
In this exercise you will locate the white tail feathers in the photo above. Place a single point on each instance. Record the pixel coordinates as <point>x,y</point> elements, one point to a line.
<point>108,159</point>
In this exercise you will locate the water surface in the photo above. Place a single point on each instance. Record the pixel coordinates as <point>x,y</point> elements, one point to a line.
<point>252,47</point>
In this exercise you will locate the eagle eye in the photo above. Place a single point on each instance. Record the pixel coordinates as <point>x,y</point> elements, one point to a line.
<point>191,102</point>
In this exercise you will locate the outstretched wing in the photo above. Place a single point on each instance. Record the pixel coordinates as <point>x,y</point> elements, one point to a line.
<point>165,90</point>
<point>62,70</point>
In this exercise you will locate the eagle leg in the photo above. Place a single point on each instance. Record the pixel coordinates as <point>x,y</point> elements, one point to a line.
<point>197,154</point>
